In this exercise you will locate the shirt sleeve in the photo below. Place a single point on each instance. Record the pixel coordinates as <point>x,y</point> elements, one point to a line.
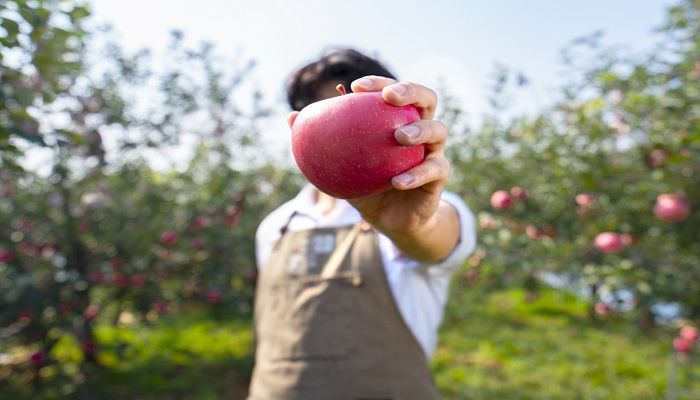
<point>467,238</point>
<point>464,247</point>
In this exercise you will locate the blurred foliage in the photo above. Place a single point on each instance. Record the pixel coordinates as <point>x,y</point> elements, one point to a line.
<point>625,131</point>
<point>96,235</point>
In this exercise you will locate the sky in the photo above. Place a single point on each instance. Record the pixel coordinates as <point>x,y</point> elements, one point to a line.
<point>450,41</point>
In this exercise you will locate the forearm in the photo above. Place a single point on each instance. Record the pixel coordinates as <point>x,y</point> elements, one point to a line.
<point>435,240</point>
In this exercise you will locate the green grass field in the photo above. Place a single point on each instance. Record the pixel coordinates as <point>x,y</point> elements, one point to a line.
<point>494,345</point>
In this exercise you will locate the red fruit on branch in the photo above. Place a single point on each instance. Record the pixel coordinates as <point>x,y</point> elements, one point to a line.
<point>518,193</point>
<point>120,280</point>
<point>609,242</point>
<point>169,238</point>
<point>25,315</point>
<point>585,200</point>
<point>501,200</point>
<point>671,208</point>
<point>626,239</point>
<point>689,333</point>
<point>200,222</point>
<point>37,358</point>
<point>6,256</point>
<point>532,232</point>
<point>213,296</point>
<point>657,157</point>
<point>603,308</point>
<point>345,145</point>
<point>89,347</point>
<point>161,307</point>
<point>91,312</point>
<point>682,345</point>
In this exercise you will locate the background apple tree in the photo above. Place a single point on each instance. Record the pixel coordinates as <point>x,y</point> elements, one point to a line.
<point>619,153</point>
<point>96,235</point>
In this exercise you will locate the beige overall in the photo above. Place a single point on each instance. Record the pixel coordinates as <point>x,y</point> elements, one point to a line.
<point>327,324</point>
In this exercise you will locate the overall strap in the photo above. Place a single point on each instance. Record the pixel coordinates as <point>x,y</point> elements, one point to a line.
<point>330,269</point>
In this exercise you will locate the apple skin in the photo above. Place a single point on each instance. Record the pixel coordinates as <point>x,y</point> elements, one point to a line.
<point>345,145</point>
<point>609,242</point>
<point>501,200</point>
<point>681,345</point>
<point>689,333</point>
<point>671,208</point>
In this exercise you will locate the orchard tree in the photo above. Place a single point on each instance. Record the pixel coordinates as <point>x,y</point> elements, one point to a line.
<point>96,232</point>
<point>603,187</point>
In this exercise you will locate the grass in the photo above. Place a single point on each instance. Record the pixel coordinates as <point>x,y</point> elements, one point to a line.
<point>494,345</point>
<point>499,345</point>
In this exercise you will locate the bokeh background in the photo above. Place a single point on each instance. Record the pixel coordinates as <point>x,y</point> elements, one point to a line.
<point>142,142</point>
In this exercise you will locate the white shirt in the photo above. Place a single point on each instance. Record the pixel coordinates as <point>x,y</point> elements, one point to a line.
<point>420,289</point>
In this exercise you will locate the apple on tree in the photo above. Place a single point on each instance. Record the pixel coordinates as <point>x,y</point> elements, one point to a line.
<point>501,200</point>
<point>609,242</point>
<point>345,145</point>
<point>671,208</point>
<point>689,333</point>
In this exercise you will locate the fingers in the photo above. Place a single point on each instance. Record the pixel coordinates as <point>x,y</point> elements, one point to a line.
<point>400,93</point>
<point>371,83</point>
<point>429,132</point>
<point>291,117</point>
<point>430,175</point>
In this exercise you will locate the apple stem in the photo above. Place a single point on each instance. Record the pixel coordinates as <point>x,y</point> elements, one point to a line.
<point>341,89</point>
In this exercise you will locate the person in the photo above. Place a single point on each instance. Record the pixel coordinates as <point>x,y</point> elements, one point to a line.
<point>351,293</point>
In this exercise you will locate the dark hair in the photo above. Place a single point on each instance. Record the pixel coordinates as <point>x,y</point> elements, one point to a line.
<point>338,66</point>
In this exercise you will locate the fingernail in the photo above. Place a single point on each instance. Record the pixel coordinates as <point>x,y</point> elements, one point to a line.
<point>411,131</point>
<point>398,89</point>
<point>364,83</point>
<point>405,179</point>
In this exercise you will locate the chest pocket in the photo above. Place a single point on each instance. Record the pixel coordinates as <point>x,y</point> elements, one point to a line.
<point>306,309</point>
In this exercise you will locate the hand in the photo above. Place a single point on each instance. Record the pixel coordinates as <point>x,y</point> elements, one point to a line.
<point>411,214</point>
<point>415,198</point>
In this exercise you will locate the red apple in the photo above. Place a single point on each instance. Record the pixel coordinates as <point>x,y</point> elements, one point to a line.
<point>671,208</point>
<point>120,280</point>
<point>681,345</point>
<point>626,239</point>
<point>518,193</point>
<point>91,312</point>
<point>213,296</point>
<point>689,333</point>
<point>161,307</point>
<point>200,222</point>
<point>169,238</point>
<point>609,242</point>
<point>532,232</point>
<point>657,157</point>
<point>501,200</point>
<point>26,315</point>
<point>585,200</point>
<point>37,358</point>
<point>89,347</point>
<point>602,308</point>
<point>345,145</point>
<point>6,256</point>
